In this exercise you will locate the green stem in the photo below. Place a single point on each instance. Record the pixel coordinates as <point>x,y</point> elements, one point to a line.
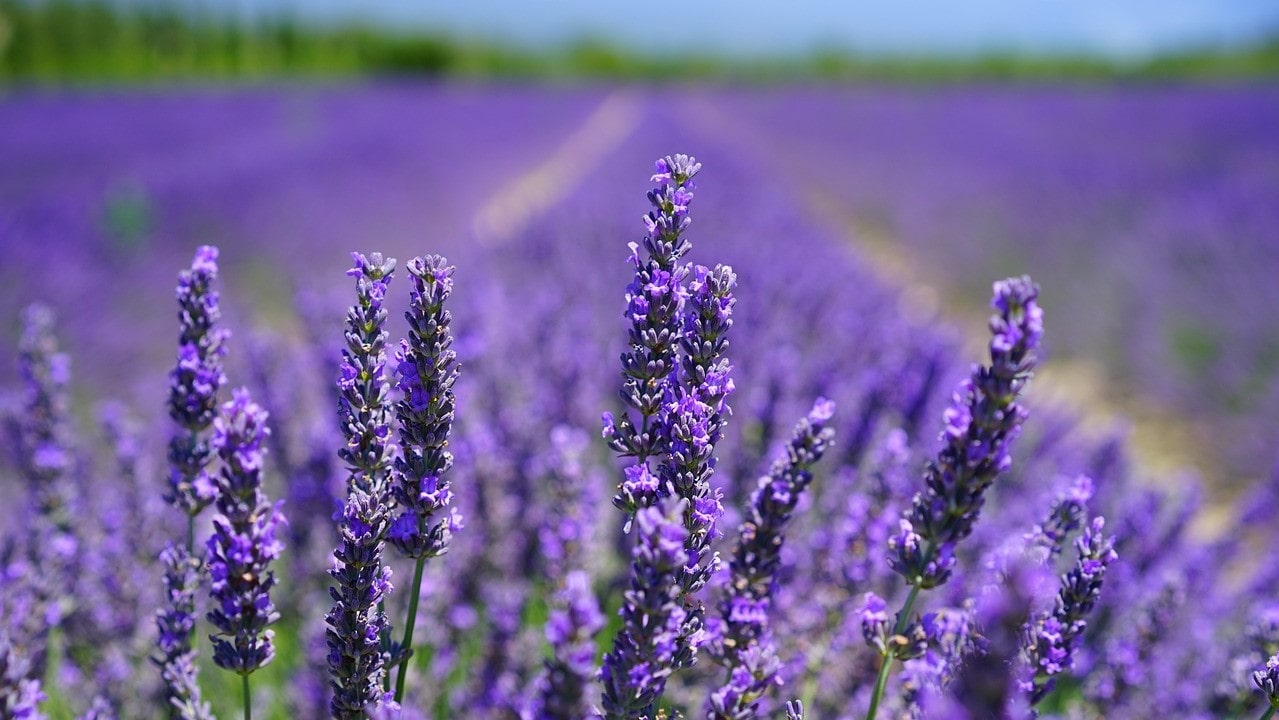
<point>248,707</point>
<point>408,627</point>
<point>191,535</point>
<point>886,660</point>
<point>885,664</point>
<point>1270,713</point>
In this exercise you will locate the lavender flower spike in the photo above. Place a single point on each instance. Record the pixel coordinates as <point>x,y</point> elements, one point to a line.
<point>655,300</point>
<point>981,424</point>
<point>194,384</point>
<point>644,652</point>
<point>356,622</point>
<point>362,410</point>
<point>742,641</point>
<point>428,369</point>
<point>175,623</point>
<point>1050,639</point>
<point>244,541</point>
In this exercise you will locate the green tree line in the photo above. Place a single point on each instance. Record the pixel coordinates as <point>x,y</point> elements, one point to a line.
<point>74,41</point>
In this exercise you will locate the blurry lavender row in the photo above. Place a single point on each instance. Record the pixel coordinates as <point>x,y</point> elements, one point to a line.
<point>1150,215</point>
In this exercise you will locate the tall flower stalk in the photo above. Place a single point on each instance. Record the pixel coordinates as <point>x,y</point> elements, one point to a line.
<point>742,640</point>
<point>676,382</point>
<point>357,625</point>
<point>194,384</point>
<point>243,544</point>
<point>428,369</point>
<point>982,422</point>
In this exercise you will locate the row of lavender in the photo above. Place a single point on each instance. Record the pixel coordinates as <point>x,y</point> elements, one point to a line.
<point>1148,214</point>
<point>542,549</point>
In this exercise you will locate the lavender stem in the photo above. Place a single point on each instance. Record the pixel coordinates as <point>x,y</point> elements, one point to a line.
<point>409,622</point>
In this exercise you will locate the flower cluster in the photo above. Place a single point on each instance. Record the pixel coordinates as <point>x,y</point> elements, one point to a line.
<point>655,303</point>
<point>195,382</point>
<point>982,422</point>
<point>356,623</point>
<point>358,653</point>
<point>741,638</point>
<point>175,623</point>
<point>645,650</point>
<point>427,366</point>
<point>1051,638</point>
<point>244,541</point>
<point>363,413</point>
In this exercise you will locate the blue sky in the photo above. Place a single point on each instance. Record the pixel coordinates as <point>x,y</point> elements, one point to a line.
<point>1121,28</point>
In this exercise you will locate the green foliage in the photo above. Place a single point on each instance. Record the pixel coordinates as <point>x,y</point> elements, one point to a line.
<point>76,41</point>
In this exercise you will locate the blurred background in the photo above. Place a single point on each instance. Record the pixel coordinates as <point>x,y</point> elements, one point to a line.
<point>1126,154</point>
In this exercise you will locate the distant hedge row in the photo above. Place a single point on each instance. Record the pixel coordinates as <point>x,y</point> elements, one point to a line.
<point>58,41</point>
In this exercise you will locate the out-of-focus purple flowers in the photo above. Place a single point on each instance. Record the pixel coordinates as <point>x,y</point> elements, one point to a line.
<point>244,541</point>
<point>20,696</point>
<point>194,383</point>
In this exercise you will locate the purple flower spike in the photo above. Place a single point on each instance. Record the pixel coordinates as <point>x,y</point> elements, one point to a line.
<point>175,623</point>
<point>655,303</point>
<point>362,404</point>
<point>244,541</point>
<point>427,369</point>
<point>645,650</point>
<point>194,383</point>
<point>356,624</point>
<point>742,641</point>
<point>1051,639</point>
<point>981,424</point>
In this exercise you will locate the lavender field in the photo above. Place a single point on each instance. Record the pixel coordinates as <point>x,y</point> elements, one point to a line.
<point>778,448</point>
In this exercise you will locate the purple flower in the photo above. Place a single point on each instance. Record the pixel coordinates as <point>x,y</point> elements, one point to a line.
<point>654,301</point>
<point>356,624</point>
<point>362,403</point>
<point>194,383</point>
<point>1051,639</point>
<point>244,541</point>
<point>175,623</point>
<point>742,640</point>
<point>428,370</point>
<point>644,652</point>
<point>982,422</point>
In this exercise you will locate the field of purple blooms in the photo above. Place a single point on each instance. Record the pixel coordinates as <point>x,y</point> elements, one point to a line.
<point>590,466</point>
